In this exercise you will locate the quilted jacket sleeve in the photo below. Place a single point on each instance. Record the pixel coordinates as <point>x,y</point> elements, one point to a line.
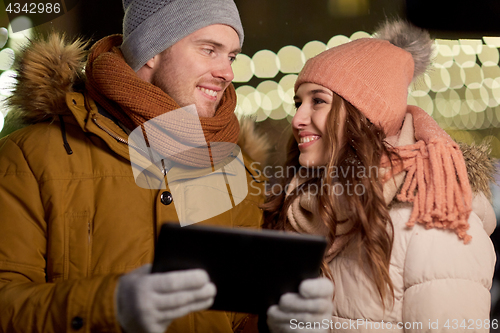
<point>27,302</point>
<point>447,282</point>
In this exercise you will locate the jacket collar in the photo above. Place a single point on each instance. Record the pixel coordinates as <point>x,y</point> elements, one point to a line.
<point>90,120</point>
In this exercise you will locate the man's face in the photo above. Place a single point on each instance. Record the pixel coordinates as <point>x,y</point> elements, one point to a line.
<point>197,69</point>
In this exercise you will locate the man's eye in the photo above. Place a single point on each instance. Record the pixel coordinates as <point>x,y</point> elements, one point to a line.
<point>298,104</point>
<point>232,59</point>
<point>208,51</point>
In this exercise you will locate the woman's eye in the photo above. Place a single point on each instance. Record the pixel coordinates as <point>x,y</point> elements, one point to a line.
<point>318,101</point>
<point>298,104</point>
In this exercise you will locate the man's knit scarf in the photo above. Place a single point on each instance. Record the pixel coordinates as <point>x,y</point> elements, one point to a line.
<point>133,101</point>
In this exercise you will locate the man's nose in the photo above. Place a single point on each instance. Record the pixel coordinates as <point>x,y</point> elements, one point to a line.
<point>223,70</point>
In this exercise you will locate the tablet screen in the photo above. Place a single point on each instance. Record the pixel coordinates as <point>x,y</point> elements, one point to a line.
<point>250,268</point>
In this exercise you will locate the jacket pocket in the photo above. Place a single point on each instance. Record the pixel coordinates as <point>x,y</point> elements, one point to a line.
<point>78,238</point>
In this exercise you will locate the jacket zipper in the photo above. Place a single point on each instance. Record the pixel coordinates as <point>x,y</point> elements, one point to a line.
<point>122,140</point>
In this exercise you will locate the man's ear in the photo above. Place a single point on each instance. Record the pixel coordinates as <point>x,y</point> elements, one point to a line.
<point>147,70</point>
<point>152,62</point>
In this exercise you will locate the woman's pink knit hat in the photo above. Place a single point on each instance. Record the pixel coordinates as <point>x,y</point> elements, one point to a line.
<point>374,74</point>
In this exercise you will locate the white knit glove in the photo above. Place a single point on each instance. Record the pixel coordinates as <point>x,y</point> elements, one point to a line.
<point>312,304</point>
<point>149,302</point>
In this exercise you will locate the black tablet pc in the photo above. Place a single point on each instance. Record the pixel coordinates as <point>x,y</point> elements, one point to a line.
<point>250,268</point>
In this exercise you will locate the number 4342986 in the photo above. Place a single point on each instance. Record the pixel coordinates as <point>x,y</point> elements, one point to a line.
<point>33,8</point>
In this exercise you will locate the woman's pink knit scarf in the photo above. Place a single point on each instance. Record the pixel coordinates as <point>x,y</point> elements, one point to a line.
<point>436,181</point>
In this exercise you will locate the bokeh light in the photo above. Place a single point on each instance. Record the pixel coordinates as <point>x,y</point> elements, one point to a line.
<point>461,90</point>
<point>452,47</point>
<point>7,82</point>
<point>7,57</point>
<point>492,41</point>
<point>448,103</point>
<point>466,57</point>
<point>473,76</point>
<point>291,59</point>
<point>360,34</point>
<point>2,110</point>
<point>265,88</point>
<point>313,48</point>
<point>243,68</point>
<point>457,76</point>
<point>266,64</point>
<point>495,90</point>
<point>424,102</point>
<point>421,86</point>
<point>491,102</point>
<point>443,57</point>
<point>471,46</point>
<point>4,36</point>
<point>477,99</point>
<point>489,56</point>
<point>278,114</point>
<point>491,73</point>
<point>247,105</point>
<point>286,93</point>
<point>337,40</point>
<point>19,39</point>
<point>440,79</point>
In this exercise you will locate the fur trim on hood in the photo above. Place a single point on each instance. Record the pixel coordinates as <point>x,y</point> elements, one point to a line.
<point>46,69</point>
<point>254,143</point>
<point>480,166</point>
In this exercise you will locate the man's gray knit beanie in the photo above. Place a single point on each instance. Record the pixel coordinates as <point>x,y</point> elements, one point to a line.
<point>152,26</point>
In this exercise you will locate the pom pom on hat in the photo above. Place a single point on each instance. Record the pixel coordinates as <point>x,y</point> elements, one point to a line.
<point>410,38</point>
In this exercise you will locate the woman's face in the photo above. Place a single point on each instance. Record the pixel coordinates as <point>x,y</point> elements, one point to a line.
<point>313,103</point>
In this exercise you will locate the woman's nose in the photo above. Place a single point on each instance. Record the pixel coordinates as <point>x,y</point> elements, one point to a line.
<point>301,118</point>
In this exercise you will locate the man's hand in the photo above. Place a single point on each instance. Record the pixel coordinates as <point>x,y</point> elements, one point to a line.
<point>313,303</point>
<point>149,302</point>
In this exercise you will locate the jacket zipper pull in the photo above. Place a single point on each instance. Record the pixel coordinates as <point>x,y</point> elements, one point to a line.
<point>66,145</point>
